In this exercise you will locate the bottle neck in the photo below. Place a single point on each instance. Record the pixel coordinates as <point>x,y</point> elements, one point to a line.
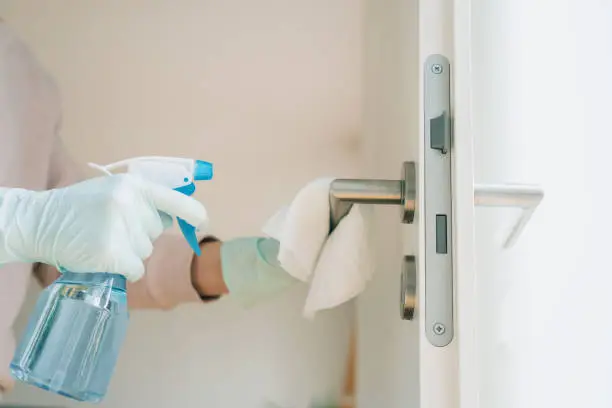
<point>113,280</point>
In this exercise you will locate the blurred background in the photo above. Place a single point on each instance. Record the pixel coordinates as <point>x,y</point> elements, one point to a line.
<point>273,92</point>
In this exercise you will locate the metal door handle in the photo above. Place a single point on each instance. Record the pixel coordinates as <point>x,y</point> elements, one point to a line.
<point>346,192</point>
<point>526,197</point>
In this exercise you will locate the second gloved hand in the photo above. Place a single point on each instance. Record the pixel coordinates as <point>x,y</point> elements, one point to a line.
<point>251,270</point>
<point>105,224</point>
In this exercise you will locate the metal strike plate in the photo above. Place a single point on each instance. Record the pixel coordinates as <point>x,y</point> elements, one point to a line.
<point>437,209</point>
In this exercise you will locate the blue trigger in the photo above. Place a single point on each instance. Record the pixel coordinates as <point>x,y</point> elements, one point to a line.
<point>187,189</point>
<point>188,231</point>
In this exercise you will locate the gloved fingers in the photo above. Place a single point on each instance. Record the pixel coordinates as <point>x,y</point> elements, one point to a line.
<point>251,270</point>
<point>130,265</point>
<point>166,220</point>
<point>151,222</point>
<point>123,254</point>
<point>142,246</point>
<point>140,225</point>
<point>178,205</point>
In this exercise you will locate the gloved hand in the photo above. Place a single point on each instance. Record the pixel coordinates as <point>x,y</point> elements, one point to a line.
<point>105,224</point>
<point>251,270</point>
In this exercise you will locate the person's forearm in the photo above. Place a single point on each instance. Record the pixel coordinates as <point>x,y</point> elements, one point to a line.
<point>206,270</point>
<point>175,276</point>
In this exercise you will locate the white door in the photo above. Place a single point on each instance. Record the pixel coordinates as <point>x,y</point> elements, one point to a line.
<point>419,109</point>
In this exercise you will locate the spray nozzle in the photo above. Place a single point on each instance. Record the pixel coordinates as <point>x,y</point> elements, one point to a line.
<point>176,173</point>
<point>203,171</point>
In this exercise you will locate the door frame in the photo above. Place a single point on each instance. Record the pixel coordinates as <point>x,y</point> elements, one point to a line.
<point>448,375</point>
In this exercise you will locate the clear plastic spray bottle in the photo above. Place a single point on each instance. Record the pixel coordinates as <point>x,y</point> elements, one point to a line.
<point>74,335</point>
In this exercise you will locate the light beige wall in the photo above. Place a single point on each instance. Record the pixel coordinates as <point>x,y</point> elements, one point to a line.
<point>268,90</point>
<point>388,347</point>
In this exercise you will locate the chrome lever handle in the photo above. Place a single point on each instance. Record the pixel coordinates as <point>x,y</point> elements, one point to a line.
<point>343,193</point>
<point>526,197</point>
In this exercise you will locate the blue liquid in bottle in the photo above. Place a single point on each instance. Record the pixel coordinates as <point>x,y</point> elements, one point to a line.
<point>73,338</point>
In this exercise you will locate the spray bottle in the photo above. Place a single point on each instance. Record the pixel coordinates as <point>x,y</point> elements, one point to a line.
<point>74,335</point>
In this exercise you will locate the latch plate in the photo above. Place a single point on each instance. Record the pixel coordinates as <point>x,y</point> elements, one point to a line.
<point>436,212</point>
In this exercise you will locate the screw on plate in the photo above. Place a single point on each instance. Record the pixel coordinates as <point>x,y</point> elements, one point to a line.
<point>439,329</point>
<point>436,69</point>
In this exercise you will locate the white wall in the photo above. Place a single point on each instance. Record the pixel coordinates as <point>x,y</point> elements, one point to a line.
<point>270,91</point>
<point>542,90</point>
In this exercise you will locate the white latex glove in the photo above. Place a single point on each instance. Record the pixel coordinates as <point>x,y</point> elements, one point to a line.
<point>105,224</point>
